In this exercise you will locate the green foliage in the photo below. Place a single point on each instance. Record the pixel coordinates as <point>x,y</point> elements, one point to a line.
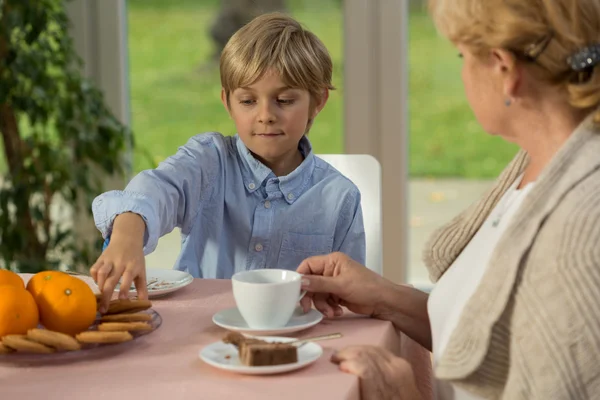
<point>58,136</point>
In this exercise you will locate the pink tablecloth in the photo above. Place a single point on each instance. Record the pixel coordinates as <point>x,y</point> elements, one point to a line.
<point>165,363</point>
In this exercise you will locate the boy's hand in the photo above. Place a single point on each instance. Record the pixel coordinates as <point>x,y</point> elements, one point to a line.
<point>122,260</point>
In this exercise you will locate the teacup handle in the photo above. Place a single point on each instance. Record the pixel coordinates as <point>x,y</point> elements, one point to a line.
<point>302,295</point>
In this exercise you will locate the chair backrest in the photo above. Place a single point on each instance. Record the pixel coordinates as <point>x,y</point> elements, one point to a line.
<point>365,171</point>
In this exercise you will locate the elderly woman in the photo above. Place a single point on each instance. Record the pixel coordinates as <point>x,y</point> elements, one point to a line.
<point>515,313</point>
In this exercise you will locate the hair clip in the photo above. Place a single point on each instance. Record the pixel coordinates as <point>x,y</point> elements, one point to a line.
<point>585,58</point>
<point>533,51</point>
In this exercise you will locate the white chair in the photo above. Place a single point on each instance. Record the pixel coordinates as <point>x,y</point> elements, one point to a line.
<point>365,171</point>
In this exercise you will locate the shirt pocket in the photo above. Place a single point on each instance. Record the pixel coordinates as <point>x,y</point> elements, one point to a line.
<point>296,247</point>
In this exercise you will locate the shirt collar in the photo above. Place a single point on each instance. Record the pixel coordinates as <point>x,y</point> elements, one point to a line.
<point>292,186</point>
<point>254,172</point>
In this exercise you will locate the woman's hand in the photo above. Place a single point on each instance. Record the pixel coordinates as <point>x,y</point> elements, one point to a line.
<point>122,260</point>
<point>336,280</point>
<point>383,376</point>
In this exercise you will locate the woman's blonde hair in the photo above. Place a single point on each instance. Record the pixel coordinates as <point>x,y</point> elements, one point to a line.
<point>275,41</point>
<point>547,32</point>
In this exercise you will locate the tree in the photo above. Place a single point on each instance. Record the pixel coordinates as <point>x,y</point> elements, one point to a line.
<point>57,135</point>
<point>233,14</point>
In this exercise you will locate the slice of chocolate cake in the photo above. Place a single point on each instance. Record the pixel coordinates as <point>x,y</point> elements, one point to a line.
<point>262,354</point>
<point>256,352</point>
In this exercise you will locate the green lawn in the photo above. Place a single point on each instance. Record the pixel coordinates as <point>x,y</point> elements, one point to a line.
<point>175,93</point>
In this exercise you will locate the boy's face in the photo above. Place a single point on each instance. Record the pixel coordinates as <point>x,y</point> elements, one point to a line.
<point>271,118</point>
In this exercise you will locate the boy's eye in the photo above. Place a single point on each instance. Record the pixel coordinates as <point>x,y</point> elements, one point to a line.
<point>285,101</point>
<point>247,102</point>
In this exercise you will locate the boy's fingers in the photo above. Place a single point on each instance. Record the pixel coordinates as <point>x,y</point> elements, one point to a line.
<point>109,286</point>
<point>140,285</point>
<point>102,273</point>
<point>126,282</point>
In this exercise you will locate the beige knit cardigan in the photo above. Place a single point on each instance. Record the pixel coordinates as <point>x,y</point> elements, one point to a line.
<point>532,328</point>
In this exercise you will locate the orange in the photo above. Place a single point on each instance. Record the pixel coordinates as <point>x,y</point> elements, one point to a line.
<point>18,311</point>
<point>10,278</point>
<point>66,304</point>
<point>37,282</point>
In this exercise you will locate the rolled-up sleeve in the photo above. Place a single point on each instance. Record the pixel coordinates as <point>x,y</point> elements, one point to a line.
<point>168,196</point>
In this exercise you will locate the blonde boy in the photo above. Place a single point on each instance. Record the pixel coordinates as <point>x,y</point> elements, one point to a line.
<point>259,199</point>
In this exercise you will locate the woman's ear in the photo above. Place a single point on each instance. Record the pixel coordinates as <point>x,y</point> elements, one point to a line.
<point>508,70</point>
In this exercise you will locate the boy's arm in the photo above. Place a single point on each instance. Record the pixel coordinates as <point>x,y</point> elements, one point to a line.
<point>165,197</point>
<point>352,230</point>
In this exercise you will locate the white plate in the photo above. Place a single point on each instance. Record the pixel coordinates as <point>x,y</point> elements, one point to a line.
<point>225,356</point>
<point>165,281</point>
<point>232,320</point>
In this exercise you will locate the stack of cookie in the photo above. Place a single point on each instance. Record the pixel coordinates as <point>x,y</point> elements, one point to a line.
<point>123,318</point>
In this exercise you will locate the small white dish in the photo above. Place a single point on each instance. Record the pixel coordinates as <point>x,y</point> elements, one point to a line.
<point>225,356</point>
<point>232,320</point>
<point>162,282</point>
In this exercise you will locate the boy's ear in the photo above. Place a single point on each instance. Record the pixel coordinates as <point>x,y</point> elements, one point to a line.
<point>225,101</point>
<point>320,103</point>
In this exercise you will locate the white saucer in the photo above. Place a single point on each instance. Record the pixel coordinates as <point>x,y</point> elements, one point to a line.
<point>162,282</point>
<point>225,356</point>
<point>232,320</point>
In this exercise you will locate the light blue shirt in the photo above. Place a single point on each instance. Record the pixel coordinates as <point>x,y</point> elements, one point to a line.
<point>235,214</point>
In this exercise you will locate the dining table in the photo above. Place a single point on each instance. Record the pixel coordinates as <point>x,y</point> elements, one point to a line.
<point>165,363</point>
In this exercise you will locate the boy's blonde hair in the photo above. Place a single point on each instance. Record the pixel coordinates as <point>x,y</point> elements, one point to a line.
<point>276,41</point>
<point>547,32</point>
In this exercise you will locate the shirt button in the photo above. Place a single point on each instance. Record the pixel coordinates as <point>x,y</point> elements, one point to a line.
<point>267,204</point>
<point>290,196</point>
<point>251,186</point>
<point>258,247</point>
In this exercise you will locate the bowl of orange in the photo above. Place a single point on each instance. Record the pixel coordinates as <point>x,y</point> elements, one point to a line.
<point>53,315</point>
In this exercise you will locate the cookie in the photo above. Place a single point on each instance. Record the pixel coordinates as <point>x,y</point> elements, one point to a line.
<point>126,317</point>
<point>103,337</point>
<point>58,340</point>
<point>5,349</point>
<point>22,344</point>
<point>127,306</point>
<point>124,326</point>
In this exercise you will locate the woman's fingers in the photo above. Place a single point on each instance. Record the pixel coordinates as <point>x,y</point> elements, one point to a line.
<point>321,304</point>
<point>334,303</point>
<point>354,367</point>
<point>350,360</point>
<point>346,354</point>
<point>306,302</point>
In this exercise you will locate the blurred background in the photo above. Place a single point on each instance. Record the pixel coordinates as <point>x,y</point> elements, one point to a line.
<point>399,97</point>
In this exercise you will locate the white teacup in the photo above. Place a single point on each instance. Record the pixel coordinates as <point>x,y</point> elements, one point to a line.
<point>266,298</point>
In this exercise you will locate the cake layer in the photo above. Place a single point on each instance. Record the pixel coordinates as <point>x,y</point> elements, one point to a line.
<point>256,352</point>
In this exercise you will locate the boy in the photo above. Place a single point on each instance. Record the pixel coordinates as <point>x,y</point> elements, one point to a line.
<point>260,199</point>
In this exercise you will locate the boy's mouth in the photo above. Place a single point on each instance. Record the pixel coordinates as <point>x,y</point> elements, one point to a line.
<point>268,134</point>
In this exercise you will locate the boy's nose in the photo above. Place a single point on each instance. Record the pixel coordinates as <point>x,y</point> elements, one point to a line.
<point>266,115</point>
